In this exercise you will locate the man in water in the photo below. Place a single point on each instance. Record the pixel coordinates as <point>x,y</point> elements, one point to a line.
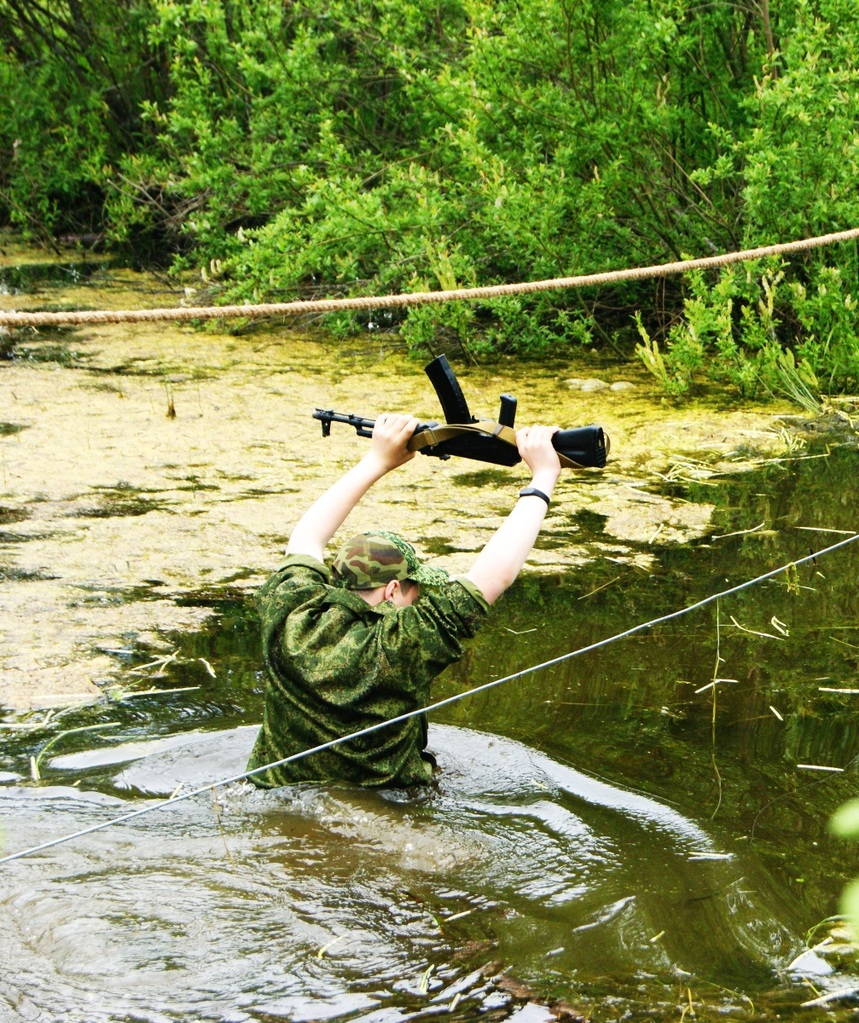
<point>360,645</point>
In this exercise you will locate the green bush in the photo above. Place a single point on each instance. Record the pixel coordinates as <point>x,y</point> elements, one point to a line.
<point>796,155</point>
<point>77,75</point>
<point>517,164</point>
<point>368,147</point>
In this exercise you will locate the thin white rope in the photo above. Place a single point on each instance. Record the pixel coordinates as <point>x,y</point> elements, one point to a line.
<point>173,801</point>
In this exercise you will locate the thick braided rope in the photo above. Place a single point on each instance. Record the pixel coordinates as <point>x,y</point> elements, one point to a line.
<point>23,319</point>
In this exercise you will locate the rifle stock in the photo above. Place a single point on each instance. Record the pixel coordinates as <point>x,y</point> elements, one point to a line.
<point>587,446</point>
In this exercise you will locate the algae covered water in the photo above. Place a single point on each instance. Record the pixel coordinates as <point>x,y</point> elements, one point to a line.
<point>639,832</point>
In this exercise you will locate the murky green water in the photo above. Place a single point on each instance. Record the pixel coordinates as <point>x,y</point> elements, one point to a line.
<point>613,833</point>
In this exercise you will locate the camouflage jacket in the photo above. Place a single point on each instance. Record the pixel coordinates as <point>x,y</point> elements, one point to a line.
<point>335,665</point>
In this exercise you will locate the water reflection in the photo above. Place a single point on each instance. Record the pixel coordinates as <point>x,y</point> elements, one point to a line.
<point>321,902</point>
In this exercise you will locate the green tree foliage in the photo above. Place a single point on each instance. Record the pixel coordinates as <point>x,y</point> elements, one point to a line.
<point>360,147</point>
<point>74,75</point>
<point>779,327</point>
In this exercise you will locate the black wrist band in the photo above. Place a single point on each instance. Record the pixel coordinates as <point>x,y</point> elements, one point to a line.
<point>534,492</point>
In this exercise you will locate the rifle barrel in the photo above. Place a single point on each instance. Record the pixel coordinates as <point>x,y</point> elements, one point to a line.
<point>363,427</point>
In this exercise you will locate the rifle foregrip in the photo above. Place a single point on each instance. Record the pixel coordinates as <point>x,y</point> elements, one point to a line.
<point>587,446</point>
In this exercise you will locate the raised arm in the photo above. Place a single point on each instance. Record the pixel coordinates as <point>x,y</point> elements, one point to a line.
<point>502,558</point>
<point>323,518</point>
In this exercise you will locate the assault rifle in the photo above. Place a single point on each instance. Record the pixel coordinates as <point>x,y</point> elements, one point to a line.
<point>465,436</point>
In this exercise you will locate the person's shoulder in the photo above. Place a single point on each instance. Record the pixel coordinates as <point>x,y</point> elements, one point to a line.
<point>295,571</point>
<point>298,564</point>
<point>457,594</point>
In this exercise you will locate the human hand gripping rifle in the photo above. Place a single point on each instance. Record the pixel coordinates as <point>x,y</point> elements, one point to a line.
<point>582,447</point>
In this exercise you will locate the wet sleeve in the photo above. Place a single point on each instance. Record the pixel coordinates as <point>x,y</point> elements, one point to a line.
<point>422,640</point>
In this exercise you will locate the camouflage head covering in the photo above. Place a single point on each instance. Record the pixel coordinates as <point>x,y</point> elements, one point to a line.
<point>374,559</point>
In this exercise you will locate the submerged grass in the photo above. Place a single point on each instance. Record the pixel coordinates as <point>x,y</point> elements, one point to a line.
<point>36,761</point>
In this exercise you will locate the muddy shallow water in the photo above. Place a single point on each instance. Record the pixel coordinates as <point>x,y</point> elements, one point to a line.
<point>614,833</point>
<point>142,462</point>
